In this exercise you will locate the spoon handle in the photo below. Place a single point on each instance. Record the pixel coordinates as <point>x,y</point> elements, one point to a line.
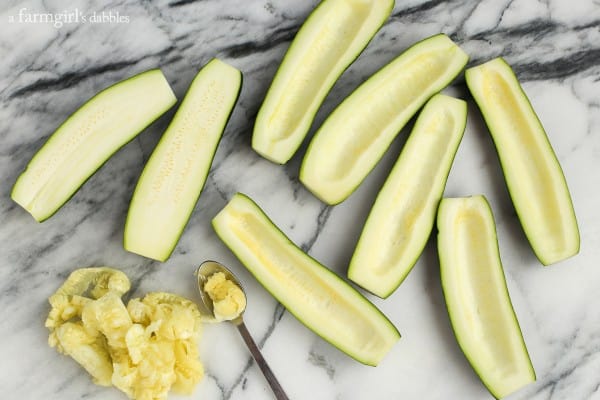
<point>262,363</point>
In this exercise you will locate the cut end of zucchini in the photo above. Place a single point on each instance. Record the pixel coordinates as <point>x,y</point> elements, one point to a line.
<point>88,138</point>
<point>356,135</point>
<point>403,215</point>
<point>174,176</point>
<point>533,174</point>
<point>477,298</point>
<point>331,38</point>
<point>316,296</point>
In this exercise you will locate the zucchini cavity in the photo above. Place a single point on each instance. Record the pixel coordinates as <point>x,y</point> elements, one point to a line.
<point>403,215</point>
<point>533,174</point>
<point>331,38</point>
<point>316,296</point>
<point>356,135</point>
<point>477,298</point>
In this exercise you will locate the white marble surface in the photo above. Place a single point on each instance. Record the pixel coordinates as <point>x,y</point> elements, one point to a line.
<point>45,73</point>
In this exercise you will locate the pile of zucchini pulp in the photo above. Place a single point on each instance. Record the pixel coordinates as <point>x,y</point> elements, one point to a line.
<point>343,151</point>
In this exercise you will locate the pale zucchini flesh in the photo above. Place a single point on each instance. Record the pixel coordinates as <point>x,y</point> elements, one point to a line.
<point>331,38</point>
<point>477,298</point>
<point>356,135</point>
<point>533,174</point>
<point>403,215</point>
<point>174,176</point>
<point>83,143</point>
<point>316,296</point>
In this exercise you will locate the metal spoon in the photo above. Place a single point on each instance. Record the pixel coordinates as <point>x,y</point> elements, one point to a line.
<point>204,271</point>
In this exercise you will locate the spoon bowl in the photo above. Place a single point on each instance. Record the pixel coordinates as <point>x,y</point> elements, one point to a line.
<point>206,307</point>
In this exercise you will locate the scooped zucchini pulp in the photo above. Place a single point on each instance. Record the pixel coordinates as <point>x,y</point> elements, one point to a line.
<point>477,298</point>
<point>316,296</point>
<point>329,40</point>
<point>404,212</point>
<point>357,133</point>
<point>533,174</point>
<point>83,143</point>
<point>174,176</point>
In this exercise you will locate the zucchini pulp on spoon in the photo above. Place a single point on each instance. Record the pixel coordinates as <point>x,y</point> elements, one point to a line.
<point>533,174</point>
<point>357,133</point>
<point>316,296</point>
<point>83,143</point>
<point>331,38</point>
<point>404,212</point>
<point>477,298</point>
<point>174,176</point>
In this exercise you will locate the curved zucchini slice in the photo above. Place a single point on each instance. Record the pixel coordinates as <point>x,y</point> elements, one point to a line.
<point>356,135</point>
<point>404,212</point>
<point>334,34</point>
<point>477,298</point>
<point>533,174</point>
<point>174,176</point>
<point>83,143</point>
<point>316,296</point>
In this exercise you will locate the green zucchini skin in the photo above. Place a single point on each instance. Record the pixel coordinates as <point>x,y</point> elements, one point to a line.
<point>136,239</point>
<point>279,143</point>
<point>290,259</point>
<point>403,215</point>
<point>336,161</point>
<point>24,193</point>
<point>475,291</point>
<point>551,244</point>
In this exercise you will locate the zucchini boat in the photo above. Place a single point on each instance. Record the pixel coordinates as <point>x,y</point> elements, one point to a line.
<point>316,296</point>
<point>83,143</point>
<point>334,34</point>
<point>356,135</point>
<point>174,176</point>
<point>477,298</point>
<point>532,172</point>
<point>403,215</point>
